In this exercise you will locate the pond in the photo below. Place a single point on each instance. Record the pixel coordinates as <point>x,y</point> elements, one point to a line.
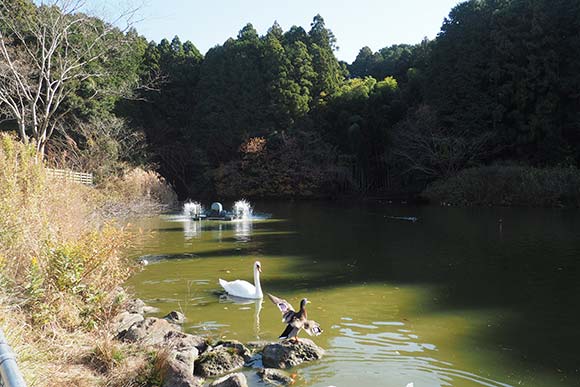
<point>460,297</point>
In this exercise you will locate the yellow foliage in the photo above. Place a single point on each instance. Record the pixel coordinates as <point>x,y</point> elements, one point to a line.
<point>53,242</point>
<point>62,260</point>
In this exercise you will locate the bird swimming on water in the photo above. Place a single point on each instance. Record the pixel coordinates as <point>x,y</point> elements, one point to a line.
<point>244,289</point>
<point>295,320</point>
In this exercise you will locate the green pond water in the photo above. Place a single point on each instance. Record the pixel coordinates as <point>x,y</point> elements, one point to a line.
<point>456,298</point>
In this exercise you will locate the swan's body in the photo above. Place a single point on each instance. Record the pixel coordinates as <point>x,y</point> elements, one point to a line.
<point>244,289</point>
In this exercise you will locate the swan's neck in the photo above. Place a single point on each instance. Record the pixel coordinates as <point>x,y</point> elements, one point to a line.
<point>257,283</point>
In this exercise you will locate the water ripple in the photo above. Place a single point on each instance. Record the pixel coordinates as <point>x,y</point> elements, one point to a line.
<point>398,354</point>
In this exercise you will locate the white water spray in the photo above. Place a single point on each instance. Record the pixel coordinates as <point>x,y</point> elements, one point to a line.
<point>192,209</point>
<point>242,210</point>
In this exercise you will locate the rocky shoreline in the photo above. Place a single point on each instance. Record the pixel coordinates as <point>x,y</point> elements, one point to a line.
<point>196,361</point>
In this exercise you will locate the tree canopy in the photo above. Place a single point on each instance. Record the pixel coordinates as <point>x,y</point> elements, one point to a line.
<point>498,84</point>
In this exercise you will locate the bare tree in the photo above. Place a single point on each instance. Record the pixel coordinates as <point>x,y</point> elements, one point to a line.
<point>45,53</point>
<point>426,147</point>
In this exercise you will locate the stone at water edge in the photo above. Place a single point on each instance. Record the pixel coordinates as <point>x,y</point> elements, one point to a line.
<point>135,305</point>
<point>175,317</point>
<point>275,377</point>
<point>150,331</point>
<point>150,309</point>
<point>236,346</point>
<point>232,380</point>
<point>179,369</point>
<point>223,358</point>
<point>257,345</point>
<point>289,354</point>
<point>179,340</point>
<point>125,320</point>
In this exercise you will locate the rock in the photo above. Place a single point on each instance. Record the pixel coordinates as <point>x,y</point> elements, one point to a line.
<point>179,369</point>
<point>150,309</point>
<point>175,317</point>
<point>275,377</point>
<point>183,351</point>
<point>289,354</point>
<point>237,346</point>
<point>135,305</point>
<point>225,357</point>
<point>150,331</point>
<point>231,380</point>
<point>257,345</point>
<point>124,320</point>
<point>179,340</point>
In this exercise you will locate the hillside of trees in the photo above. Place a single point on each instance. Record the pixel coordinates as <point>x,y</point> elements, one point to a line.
<point>277,115</point>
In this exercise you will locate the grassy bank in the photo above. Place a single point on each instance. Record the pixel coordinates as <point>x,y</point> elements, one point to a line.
<point>62,261</point>
<point>509,186</point>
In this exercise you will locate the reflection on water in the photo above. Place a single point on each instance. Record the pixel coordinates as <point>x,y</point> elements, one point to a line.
<point>257,307</point>
<point>191,229</point>
<point>242,230</point>
<point>456,298</point>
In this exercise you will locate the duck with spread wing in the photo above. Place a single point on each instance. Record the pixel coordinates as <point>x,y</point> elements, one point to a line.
<point>295,320</point>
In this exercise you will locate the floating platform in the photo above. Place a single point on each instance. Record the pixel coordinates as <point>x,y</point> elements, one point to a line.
<point>217,212</point>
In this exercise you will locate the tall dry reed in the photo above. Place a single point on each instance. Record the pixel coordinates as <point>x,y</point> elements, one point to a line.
<point>62,263</point>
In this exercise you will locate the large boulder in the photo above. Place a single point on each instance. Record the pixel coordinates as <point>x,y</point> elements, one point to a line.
<point>289,354</point>
<point>124,320</point>
<point>150,331</point>
<point>223,358</point>
<point>183,351</point>
<point>179,369</point>
<point>232,380</point>
<point>179,341</point>
<point>275,377</point>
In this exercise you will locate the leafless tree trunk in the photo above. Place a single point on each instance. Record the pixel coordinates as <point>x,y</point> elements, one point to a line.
<point>45,52</point>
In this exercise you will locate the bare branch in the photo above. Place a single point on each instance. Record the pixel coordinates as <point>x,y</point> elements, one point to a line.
<point>45,54</point>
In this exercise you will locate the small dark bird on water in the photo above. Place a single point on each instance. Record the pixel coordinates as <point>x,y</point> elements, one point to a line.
<point>295,320</point>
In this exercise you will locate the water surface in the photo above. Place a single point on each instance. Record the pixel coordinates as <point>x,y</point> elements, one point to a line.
<point>462,297</point>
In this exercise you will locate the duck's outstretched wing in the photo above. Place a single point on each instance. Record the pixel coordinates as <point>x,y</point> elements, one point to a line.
<point>312,327</point>
<point>288,313</point>
<point>283,305</point>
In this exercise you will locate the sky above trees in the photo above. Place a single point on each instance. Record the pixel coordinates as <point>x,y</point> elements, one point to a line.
<point>373,23</point>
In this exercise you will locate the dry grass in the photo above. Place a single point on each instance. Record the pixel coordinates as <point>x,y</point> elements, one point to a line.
<point>62,261</point>
<point>138,192</point>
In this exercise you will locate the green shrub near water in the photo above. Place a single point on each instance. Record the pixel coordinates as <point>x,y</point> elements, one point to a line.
<point>509,186</point>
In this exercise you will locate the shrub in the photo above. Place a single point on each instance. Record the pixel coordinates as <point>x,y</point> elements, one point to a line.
<point>138,192</point>
<point>56,253</point>
<point>509,186</point>
<point>62,261</point>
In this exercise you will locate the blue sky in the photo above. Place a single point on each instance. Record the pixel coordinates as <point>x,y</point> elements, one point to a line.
<point>355,23</point>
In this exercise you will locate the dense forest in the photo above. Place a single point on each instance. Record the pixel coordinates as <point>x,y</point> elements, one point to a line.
<point>277,115</point>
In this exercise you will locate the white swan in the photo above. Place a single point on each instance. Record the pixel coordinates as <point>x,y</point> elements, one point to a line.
<point>244,289</point>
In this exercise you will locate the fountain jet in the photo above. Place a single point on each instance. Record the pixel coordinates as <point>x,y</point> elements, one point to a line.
<point>192,209</point>
<point>242,210</point>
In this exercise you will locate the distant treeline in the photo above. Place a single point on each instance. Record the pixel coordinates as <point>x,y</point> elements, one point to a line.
<point>278,115</point>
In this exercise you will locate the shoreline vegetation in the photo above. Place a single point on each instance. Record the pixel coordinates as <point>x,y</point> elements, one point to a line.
<point>509,186</point>
<point>63,259</point>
